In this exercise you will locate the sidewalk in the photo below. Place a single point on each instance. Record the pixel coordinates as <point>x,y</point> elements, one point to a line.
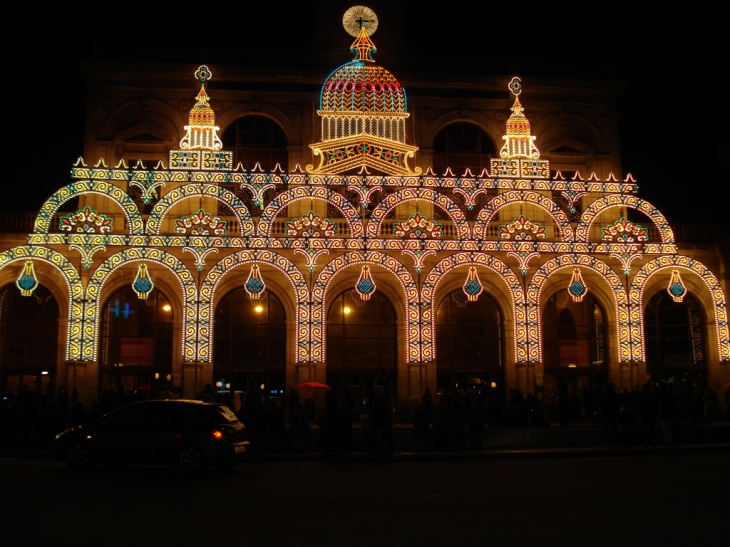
<point>579,440</point>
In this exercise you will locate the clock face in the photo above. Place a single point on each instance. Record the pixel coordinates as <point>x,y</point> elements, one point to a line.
<point>355,16</point>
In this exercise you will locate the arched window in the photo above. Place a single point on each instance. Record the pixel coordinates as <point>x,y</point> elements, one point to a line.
<point>675,337</point>
<point>28,339</point>
<point>469,349</point>
<point>461,145</point>
<point>135,347</point>
<point>361,340</point>
<point>249,342</point>
<point>574,349</point>
<point>257,139</point>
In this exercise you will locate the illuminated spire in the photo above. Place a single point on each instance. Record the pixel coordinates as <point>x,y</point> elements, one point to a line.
<point>365,285</point>
<point>27,282</point>
<point>142,284</point>
<point>472,286</point>
<point>202,133</point>
<point>676,287</point>
<point>254,284</point>
<point>363,47</point>
<point>577,288</point>
<point>519,142</point>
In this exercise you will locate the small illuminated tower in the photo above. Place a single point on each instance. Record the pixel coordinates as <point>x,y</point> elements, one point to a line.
<point>519,157</point>
<point>363,110</point>
<point>201,146</point>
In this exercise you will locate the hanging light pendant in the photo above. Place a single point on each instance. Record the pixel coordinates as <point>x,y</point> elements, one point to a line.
<point>365,286</point>
<point>27,282</point>
<point>143,283</point>
<point>577,288</point>
<point>255,285</point>
<point>676,287</point>
<point>472,286</point>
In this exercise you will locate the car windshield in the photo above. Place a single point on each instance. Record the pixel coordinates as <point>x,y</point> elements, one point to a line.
<point>222,415</point>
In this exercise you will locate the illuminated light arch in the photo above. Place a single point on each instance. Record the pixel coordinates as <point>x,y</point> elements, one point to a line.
<point>75,189</point>
<point>639,285</point>
<point>275,206</point>
<point>155,256</point>
<point>488,212</point>
<point>261,257</point>
<point>505,274</point>
<point>73,284</point>
<point>583,230</point>
<point>621,305</point>
<point>188,191</point>
<point>418,194</point>
<point>364,258</point>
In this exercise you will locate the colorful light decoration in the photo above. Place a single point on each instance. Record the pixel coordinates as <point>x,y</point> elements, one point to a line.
<point>517,177</point>
<point>86,220</point>
<point>676,288</point>
<point>143,284</point>
<point>522,229</point>
<point>200,223</point>
<point>418,227</point>
<point>472,286</point>
<point>577,288</point>
<point>255,285</point>
<point>310,225</point>
<point>624,231</point>
<point>27,282</point>
<point>365,285</point>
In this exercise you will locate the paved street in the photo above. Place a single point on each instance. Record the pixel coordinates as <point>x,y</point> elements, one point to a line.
<point>668,499</point>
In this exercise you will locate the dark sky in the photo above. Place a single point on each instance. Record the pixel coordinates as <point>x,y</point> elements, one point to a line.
<point>674,112</point>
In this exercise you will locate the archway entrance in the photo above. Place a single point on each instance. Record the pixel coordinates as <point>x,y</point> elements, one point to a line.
<point>675,339</point>
<point>574,353</point>
<point>249,342</point>
<point>361,340</point>
<point>135,348</point>
<point>469,343</point>
<point>28,339</point>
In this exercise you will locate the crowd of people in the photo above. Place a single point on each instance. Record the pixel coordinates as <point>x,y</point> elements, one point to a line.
<point>450,420</point>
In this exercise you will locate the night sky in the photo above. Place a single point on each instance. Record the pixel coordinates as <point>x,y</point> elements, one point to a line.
<point>674,111</point>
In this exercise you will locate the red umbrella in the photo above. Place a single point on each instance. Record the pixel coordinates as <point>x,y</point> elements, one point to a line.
<point>313,385</point>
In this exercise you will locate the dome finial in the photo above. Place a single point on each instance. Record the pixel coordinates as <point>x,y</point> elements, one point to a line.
<point>363,47</point>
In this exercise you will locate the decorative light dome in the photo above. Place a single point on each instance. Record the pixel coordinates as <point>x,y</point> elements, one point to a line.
<point>361,87</point>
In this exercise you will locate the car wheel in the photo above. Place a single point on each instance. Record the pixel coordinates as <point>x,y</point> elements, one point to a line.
<point>78,456</point>
<point>192,459</point>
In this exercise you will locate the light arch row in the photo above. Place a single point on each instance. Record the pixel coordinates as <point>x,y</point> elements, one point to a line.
<point>560,219</point>
<point>73,284</point>
<point>582,231</point>
<point>638,287</point>
<point>504,272</point>
<point>188,191</point>
<point>267,258</point>
<point>364,258</point>
<point>92,310</point>
<point>102,188</point>
<point>621,307</point>
<point>276,205</point>
<point>381,211</point>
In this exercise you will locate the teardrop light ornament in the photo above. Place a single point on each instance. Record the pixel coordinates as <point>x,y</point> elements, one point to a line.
<point>365,286</point>
<point>143,284</point>
<point>472,286</point>
<point>27,282</point>
<point>676,287</point>
<point>577,288</point>
<point>255,285</point>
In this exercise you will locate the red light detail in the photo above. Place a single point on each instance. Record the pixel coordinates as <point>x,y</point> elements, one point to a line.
<point>217,434</point>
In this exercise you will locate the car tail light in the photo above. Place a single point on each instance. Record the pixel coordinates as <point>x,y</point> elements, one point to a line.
<point>217,434</point>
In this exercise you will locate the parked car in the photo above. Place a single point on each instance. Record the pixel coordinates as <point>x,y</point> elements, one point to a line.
<point>190,434</point>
